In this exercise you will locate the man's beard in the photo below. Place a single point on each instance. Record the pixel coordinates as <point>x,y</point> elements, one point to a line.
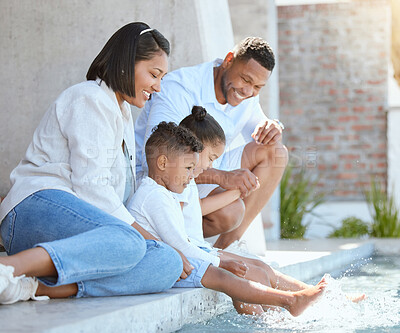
<point>223,87</point>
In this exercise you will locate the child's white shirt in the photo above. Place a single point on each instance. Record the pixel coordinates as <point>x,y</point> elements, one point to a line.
<point>192,215</point>
<point>158,211</point>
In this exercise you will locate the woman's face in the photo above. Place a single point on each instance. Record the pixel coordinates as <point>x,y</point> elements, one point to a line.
<point>209,154</point>
<point>148,75</point>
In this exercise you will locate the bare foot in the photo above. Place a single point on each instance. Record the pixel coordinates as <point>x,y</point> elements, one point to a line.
<point>356,298</point>
<point>304,298</point>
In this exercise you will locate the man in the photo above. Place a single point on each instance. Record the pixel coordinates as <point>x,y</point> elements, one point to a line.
<point>228,89</point>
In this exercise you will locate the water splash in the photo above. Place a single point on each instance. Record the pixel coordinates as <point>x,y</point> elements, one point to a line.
<point>333,312</point>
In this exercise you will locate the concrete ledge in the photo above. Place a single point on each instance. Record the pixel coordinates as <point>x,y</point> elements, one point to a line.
<point>306,259</point>
<point>387,246</point>
<point>165,312</point>
<point>171,310</point>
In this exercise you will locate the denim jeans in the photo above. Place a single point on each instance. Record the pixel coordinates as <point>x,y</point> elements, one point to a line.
<point>102,254</point>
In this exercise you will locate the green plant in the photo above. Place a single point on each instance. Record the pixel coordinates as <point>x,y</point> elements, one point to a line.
<point>352,227</point>
<point>384,212</point>
<point>298,197</point>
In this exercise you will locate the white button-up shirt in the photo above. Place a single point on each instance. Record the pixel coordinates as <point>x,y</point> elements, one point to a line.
<point>77,148</point>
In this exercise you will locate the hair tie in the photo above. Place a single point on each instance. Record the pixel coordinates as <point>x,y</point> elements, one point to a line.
<point>145,30</point>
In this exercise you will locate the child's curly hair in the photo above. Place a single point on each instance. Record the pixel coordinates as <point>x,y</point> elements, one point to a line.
<point>169,138</point>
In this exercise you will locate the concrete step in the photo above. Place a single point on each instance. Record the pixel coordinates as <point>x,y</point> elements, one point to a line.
<point>169,311</point>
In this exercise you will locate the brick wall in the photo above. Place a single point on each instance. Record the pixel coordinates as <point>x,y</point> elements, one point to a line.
<point>333,91</point>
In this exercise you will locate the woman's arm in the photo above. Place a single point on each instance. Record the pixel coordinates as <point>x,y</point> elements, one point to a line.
<point>143,232</point>
<point>217,201</point>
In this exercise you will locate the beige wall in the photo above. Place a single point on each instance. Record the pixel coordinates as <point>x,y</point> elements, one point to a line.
<point>48,45</point>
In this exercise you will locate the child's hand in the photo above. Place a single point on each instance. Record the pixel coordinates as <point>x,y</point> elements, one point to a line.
<point>238,268</point>
<point>187,267</point>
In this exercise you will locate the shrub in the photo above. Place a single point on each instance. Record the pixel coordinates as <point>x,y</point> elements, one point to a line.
<point>352,227</point>
<point>298,197</point>
<point>384,212</point>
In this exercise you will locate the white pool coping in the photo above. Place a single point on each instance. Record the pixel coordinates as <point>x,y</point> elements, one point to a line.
<point>169,311</point>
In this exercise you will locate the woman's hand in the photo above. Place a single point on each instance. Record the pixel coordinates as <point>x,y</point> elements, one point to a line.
<point>236,267</point>
<point>187,267</point>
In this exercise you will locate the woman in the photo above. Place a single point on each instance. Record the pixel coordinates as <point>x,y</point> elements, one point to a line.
<point>64,221</point>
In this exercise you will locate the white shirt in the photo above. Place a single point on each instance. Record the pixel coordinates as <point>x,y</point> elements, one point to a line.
<point>180,91</point>
<point>158,211</point>
<point>77,148</point>
<point>192,215</point>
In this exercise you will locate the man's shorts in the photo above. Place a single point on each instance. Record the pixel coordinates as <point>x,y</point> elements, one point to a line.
<point>194,279</point>
<point>231,160</point>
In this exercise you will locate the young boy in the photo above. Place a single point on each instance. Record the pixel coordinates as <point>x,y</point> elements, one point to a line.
<point>172,152</point>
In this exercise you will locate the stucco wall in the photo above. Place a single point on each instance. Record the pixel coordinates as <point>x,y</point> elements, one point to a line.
<point>48,45</point>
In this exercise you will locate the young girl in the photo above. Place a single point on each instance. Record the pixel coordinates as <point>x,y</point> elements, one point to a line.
<point>64,220</point>
<point>209,132</point>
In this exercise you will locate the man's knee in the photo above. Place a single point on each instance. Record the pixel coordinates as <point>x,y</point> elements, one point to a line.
<point>230,217</point>
<point>277,155</point>
<point>235,214</point>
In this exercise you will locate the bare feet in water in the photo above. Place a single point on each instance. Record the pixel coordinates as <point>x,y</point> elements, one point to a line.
<point>304,298</point>
<point>356,298</point>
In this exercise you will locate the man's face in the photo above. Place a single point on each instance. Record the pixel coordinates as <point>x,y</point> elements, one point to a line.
<point>242,80</point>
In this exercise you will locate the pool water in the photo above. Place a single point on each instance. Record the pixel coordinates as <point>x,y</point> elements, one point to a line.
<point>378,277</point>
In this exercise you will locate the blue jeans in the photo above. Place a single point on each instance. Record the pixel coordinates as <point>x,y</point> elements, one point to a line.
<point>102,254</point>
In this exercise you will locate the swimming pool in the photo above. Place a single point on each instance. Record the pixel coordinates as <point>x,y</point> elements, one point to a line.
<point>378,277</point>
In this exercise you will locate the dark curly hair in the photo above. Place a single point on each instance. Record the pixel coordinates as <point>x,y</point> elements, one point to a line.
<point>255,48</point>
<point>204,126</point>
<point>169,138</point>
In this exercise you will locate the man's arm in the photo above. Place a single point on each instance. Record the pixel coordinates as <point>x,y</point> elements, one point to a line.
<point>261,129</point>
<point>241,179</point>
<point>267,132</point>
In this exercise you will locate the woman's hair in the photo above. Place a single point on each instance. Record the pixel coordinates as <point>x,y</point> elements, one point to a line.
<point>115,64</point>
<point>204,126</point>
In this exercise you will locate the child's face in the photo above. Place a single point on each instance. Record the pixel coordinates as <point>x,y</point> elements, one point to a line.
<point>179,171</point>
<point>208,156</point>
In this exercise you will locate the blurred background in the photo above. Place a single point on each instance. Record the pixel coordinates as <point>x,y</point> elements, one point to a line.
<point>334,88</point>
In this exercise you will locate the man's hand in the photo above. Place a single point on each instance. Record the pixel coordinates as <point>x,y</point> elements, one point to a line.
<point>238,268</point>
<point>267,132</point>
<point>241,179</point>
<point>187,267</point>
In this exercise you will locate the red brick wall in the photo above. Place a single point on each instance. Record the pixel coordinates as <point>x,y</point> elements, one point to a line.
<point>333,91</point>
